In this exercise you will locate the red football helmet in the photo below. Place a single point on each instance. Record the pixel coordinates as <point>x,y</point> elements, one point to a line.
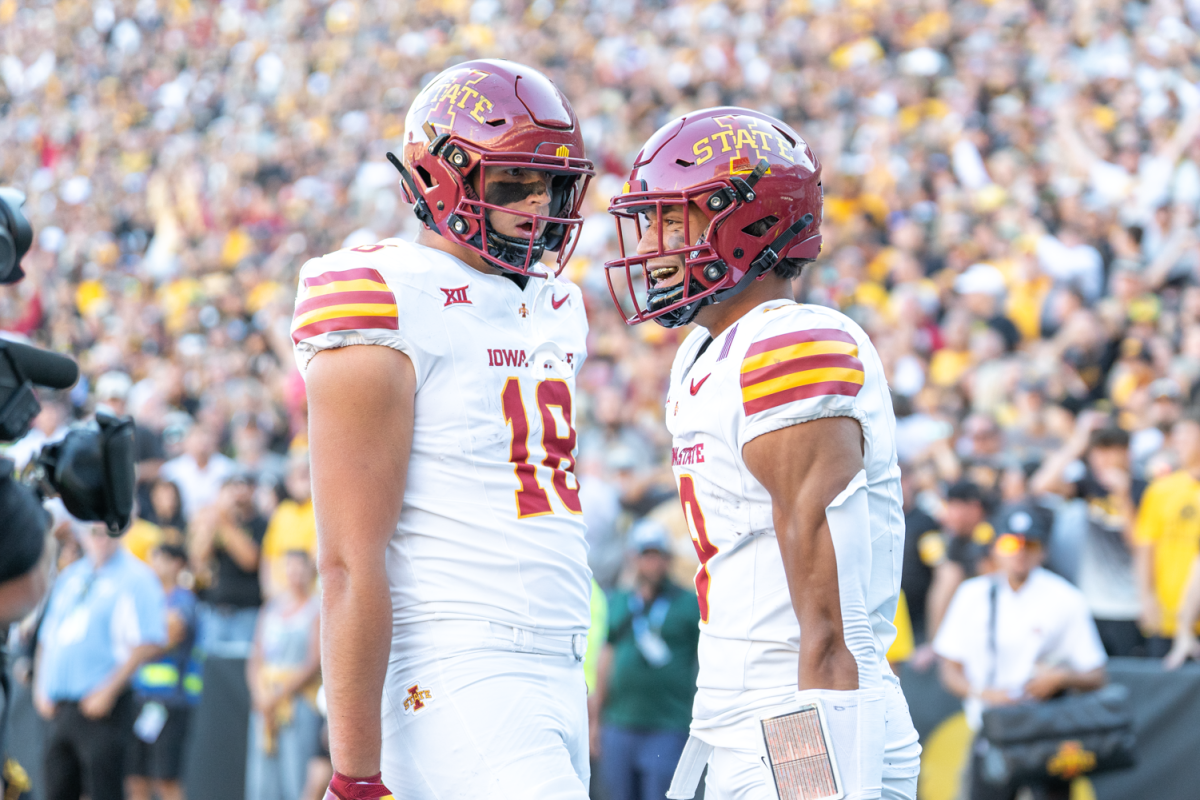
<point>494,113</point>
<point>739,167</point>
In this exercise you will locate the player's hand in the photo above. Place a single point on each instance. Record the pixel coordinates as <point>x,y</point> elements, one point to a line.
<point>343,787</point>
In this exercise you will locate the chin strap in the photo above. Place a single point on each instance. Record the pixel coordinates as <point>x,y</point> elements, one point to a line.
<point>421,207</point>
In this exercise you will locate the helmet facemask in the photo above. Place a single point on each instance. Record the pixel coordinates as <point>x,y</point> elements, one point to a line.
<point>469,224</point>
<point>558,228</point>
<point>707,278</point>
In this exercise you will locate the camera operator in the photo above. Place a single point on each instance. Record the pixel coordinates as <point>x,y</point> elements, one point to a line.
<point>90,466</point>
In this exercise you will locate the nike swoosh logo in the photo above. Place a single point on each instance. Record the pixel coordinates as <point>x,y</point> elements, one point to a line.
<point>554,301</point>
<point>695,387</point>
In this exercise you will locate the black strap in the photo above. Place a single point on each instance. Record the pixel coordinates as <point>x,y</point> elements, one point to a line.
<point>993,601</point>
<point>422,208</point>
<point>768,258</point>
<point>745,186</point>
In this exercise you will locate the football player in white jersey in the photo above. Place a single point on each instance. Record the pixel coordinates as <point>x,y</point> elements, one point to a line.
<point>451,549</point>
<point>785,458</point>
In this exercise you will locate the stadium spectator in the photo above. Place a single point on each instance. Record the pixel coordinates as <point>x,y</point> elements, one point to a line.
<point>957,552</point>
<point>1094,466</point>
<point>293,526</point>
<point>646,678</point>
<point>1021,633</point>
<point>251,448</point>
<point>165,507</point>
<point>105,617</point>
<point>1167,535</point>
<point>282,673</point>
<point>224,551</point>
<point>198,471</point>
<point>164,691</point>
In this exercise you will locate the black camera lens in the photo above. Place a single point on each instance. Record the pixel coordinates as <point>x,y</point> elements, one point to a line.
<point>15,235</point>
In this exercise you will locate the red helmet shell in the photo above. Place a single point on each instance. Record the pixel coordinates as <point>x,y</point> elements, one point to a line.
<point>494,113</point>
<point>695,159</point>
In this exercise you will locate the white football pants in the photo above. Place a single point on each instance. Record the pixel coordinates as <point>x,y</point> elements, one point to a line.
<point>484,711</point>
<point>737,774</point>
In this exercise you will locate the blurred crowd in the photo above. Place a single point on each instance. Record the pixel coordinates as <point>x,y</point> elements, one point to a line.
<point>1011,197</point>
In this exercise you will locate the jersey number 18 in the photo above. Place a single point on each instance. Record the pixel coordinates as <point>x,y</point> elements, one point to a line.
<point>532,500</point>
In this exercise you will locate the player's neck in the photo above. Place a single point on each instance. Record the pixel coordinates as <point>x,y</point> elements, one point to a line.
<point>466,255</point>
<point>720,316</point>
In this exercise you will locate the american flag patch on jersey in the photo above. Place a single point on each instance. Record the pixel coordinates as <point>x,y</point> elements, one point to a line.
<point>799,365</point>
<point>343,301</point>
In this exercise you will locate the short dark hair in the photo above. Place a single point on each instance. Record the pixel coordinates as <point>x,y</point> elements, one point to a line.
<point>965,491</point>
<point>1110,436</point>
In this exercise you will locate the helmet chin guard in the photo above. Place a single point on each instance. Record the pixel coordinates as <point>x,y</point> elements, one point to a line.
<point>493,113</point>
<point>758,186</point>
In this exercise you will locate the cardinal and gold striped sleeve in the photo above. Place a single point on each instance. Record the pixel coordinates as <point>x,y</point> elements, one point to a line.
<point>799,375</point>
<point>339,303</point>
<point>344,300</point>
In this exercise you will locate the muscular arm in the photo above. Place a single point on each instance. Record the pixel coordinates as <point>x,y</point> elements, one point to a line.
<point>804,468</point>
<point>360,402</point>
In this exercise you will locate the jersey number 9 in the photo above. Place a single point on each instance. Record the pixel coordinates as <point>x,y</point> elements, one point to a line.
<point>704,548</point>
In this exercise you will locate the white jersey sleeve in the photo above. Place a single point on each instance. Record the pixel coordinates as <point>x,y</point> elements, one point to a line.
<point>798,370</point>
<point>345,298</point>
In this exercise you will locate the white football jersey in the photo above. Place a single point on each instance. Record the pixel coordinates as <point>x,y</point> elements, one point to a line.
<point>491,526</point>
<point>781,364</point>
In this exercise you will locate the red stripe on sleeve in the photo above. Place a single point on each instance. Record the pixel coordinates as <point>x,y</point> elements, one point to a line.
<point>357,274</point>
<point>345,324</point>
<point>801,364</point>
<point>801,393</point>
<point>799,337</point>
<point>341,298</point>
